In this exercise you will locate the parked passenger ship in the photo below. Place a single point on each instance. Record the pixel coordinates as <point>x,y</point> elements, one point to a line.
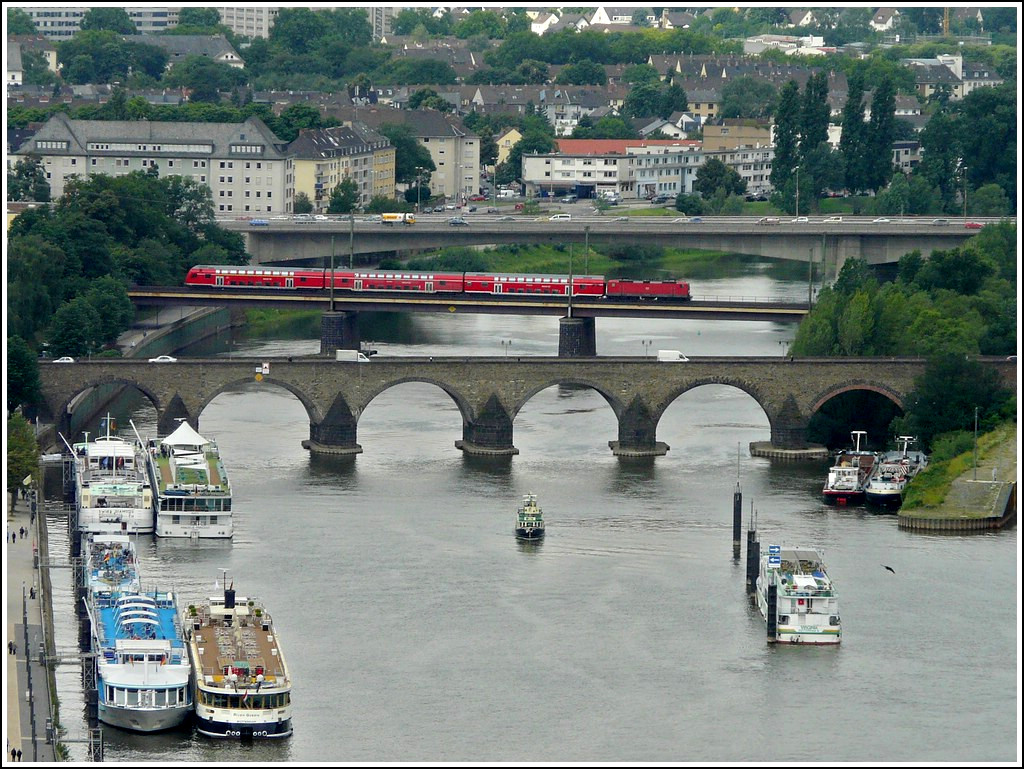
<point>113,493</point>
<point>242,685</point>
<point>849,474</point>
<point>193,495</point>
<point>893,471</point>
<point>796,597</point>
<point>142,667</point>
<point>529,519</point>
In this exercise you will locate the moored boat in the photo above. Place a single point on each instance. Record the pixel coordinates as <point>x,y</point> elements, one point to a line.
<point>192,491</point>
<point>113,493</point>
<point>529,519</point>
<point>849,474</point>
<point>796,597</point>
<point>142,667</point>
<point>893,471</point>
<point>241,682</point>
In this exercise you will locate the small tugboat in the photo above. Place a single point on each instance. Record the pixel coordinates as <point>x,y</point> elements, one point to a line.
<point>529,519</point>
<point>849,474</point>
<point>242,684</point>
<point>893,472</point>
<point>796,598</point>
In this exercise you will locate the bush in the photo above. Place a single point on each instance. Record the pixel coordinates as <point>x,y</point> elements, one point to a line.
<point>949,445</point>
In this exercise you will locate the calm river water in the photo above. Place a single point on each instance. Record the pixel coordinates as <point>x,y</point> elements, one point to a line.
<point>418,629</point>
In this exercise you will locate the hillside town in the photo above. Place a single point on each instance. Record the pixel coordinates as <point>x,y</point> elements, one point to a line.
<point>278,115</point>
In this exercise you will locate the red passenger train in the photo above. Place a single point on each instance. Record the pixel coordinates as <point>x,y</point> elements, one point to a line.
<point>418,282</point>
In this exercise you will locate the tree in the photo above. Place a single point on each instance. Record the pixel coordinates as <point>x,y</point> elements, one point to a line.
<point>344,197</point>
<point>853,141</point>
<point>643,100</point>
<point>302,204</point>
<point>428,98</point>
<point>112,19</point>
<point>28,181</point>
<point>747,97</point>
<point>691,205</point>
<point>880,136</point>
<point>640,73</point>
<point>940,155</point>
<point>409,153</point>
<point>989,200</point>
<point>22,374</point>
<point>945,396</point>
<point>714,175</point>
<point>196,16</point>
<point>787,132</point>
<point>75,330</point>
<point>204,77</point>
<point>583,73</point>
<point>20,23</point>
<point>814,114</point>
<point>22,451</point>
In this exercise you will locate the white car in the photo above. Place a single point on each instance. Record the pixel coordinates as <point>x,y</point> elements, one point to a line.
<point>801,220</point>
<point>322,218</point>
<point>881,220</point>
<point>833,220</point>
<point>65,359</point>
<point>163,359</point>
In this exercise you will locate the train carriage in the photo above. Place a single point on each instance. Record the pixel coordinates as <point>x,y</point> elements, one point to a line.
<point>649,289</point>
<point>254,277</point>
<point>405,282</point>
<point>551,285</point>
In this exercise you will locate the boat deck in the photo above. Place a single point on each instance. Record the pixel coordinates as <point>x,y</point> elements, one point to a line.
<point>237,641</point>
<point>211,476</point>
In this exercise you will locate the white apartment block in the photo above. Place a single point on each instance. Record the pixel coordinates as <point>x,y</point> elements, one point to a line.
<point>245,166</point>
<point>753,164</point>
<point>61,23</point>
<point>457,162</point>
<point>587,175</point>
<point>252,21</point>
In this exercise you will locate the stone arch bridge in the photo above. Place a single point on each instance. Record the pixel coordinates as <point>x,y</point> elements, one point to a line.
<point>490,392</point>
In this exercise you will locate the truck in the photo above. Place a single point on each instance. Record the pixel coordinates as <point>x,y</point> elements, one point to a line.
<point>395,218</point>
<point>350,356</point>
<point>669,356</point>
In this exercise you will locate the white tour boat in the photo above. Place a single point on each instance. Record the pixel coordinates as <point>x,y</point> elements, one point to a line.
<point>796,597</point>
<point>849,474</point>
<point>142,667</point>
<point>893,471</point>
<point>529,519</point>
<point>242,685</point>
<point>193,494</point>
<point>112,487</point>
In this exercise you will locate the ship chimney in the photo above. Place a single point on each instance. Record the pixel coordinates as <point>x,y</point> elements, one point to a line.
<point>229,598</point>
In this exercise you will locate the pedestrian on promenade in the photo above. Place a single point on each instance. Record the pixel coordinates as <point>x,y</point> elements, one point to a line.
<point>19,754</point>
<point>21,531</point>
<point>14,754</point>
<point>10,647</point>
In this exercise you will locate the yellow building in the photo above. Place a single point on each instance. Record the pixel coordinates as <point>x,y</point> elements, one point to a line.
<point>324,157</point>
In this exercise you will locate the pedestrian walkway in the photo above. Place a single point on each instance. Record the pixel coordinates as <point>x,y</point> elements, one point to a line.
<point>28,692</point>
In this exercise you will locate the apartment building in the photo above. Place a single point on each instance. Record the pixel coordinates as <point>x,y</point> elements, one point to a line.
<point>246,167</point>
<point>324,157</point>
<point>62,23</point>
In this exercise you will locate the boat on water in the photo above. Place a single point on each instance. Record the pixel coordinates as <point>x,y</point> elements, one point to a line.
<point>113,493</point>
<point>849,473</point>
<point>893,471</point>
<point>242,687</point>
<point>796,597</point>
<point>142,667</point>
<point>529,519</point>
<point>192,491</point>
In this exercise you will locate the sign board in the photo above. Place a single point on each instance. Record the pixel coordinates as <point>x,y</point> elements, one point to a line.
<point>774,561</point>
<point>774,549</point>
<point>266,368</point>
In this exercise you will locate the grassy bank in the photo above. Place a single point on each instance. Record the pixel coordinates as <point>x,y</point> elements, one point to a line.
<point>930,487</point>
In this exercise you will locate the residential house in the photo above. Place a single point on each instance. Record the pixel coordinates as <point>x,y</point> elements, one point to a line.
<point>884,19</point>
<point>543,22</point>
<point>801,18</point>
<point>62,22</point>
<point>324,157</point>
<point>906,155</point>
<point>247,168</point>
<point>15,71</point>
<point>37,44</point>
<point>733,133</point>
<point>671,19</point>
<point>506,141</point>
<point>606,15</point>
<point>179,47</point>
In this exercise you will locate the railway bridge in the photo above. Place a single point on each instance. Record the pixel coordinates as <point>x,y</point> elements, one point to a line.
<point>489,392</point>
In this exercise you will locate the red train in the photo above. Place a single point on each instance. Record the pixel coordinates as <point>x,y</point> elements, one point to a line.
<point>365,281</point>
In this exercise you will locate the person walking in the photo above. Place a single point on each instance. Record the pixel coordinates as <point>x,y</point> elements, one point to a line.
<point>19,754</point>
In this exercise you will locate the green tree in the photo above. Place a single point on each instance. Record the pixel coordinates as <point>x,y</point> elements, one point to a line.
<point>196,16</point>
<point>344,197</point>
<point>583,73</point>
<point>853,141</point>
<point>302,204</point>
<point>75,330</point>
<point>36,69</point>
<point>111,19</point>
<point>989,200</point>
<point>640,73</point>
<point>22,451</point>
<point>814,114</point>
<point>19,22</point>
<point>787,132</point>
<point>987,131</point>
<point>643,100</point>
<point>747,97</point>
<point>28,180</point>
<point>409,153</point>
<point>945,396</point>
<point>114,310</point>
<point>714,175</point>
<point>940,155</point>
<point>428,98</point>
<point>962,270</point>
<point>880,135</point>
<point>204,77</point>
<point>22,375</point>
<point>691,205</point>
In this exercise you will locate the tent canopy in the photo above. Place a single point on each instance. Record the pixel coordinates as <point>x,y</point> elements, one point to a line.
<point>185,436</point>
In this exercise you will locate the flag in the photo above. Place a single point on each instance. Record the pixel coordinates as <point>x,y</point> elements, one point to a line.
<point>245,696</point>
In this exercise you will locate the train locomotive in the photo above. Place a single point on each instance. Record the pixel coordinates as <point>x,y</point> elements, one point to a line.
<point>420,282</point>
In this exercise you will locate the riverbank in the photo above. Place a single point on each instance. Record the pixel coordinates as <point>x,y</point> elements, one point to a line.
<point>977,499</point>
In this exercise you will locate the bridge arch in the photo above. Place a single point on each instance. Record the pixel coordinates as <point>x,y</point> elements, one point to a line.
<point>616,403</point>
<point>63,408</point>
<point>824,397</point>
<point>307,403</point>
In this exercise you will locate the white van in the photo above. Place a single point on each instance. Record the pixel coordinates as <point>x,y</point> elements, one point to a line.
<point>350,356</point>
<point>507,194</point>
<point>560,218</point>
<point>670,356</point>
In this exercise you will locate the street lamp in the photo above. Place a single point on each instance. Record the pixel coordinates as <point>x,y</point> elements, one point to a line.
<point>647,345</point>
<point>505,344</point>
<point>586,254</point>
<point>797,172</point>
<point>419,172</point>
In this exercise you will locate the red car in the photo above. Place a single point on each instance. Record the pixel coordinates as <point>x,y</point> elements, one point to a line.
<point>973,225</point>
<point>478,197</point>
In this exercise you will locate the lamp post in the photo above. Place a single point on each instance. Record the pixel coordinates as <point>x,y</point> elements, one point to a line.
<point>797,172</point>
<point>647,345</point>
<point>586,253</point>
<point>963,170</point>
<point>975,443</point>
<point>418,186</point>
<point>505,344</point>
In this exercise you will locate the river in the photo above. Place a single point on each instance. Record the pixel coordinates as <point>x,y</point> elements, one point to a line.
<point>418,629</point>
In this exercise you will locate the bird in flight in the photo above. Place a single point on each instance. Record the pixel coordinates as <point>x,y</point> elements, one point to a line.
<point>890,568</point>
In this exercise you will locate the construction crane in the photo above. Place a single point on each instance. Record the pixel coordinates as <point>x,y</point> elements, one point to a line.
<point>945,21</point>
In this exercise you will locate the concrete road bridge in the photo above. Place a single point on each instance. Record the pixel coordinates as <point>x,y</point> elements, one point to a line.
<point>490,392</point>
<point>829,244</point>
